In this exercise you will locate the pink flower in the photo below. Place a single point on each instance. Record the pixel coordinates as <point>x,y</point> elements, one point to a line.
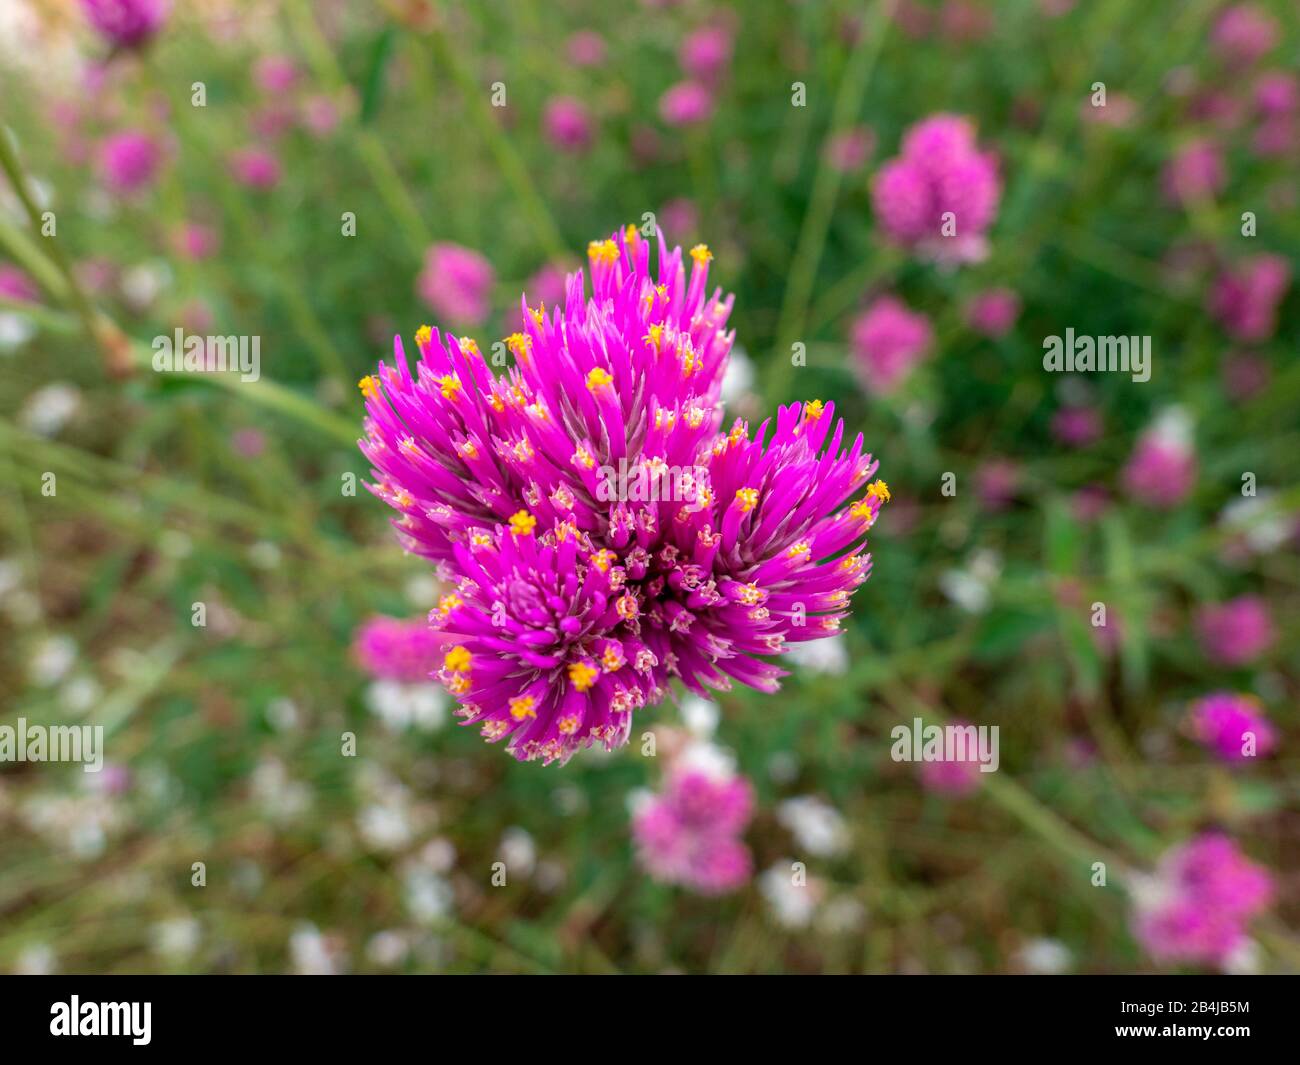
<point>1276,136</point>
<point>1162,469</point>
<point>679,216</point>
<point>1077,426</point>
<point>456,283</point>
<point>888,340</point>
<point>953,779</point>
<point>546,287</point>
<point>126,23</point>
<point>196,241</point>
<point>849,150</point>
<point>690,833</point>
<point>275,74</point>
<point>568,124</point>
<point>1118,111</point>
<point>994,312</point>
<point>1245,375</point>
<point>129,162</point>
<point>586,49</point>
<point>1242,34</point>
<point>392,649</point>
<point>16,285</point>
<point>1195,173</point>
<point>320,114</point>
<point>256,168</point>
<point>1237,632</point>
<point>1244,298</point>
<point>1197,906</point>
<point>706,53</point>
<point>687,103</point>
<point>1277,93</point>
<point>996,483</point>
<point>1233,726</point>
<point>941,193</point>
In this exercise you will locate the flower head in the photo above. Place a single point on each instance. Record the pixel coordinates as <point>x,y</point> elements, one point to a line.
<point>1162,469</point>
<point>456,283</point>
<point>888,340</point>
<point>941,193</point>
<point>1245,297</point>
<point>1196,907</point>
<point>994,311</point>
<point>1233,726</point>
<point>129,161</point>
<point>126,23</point>
<point>568,124</point>
<point>1237,632</point>
<point>1194,173</point>
<point>582,603</point>
<point>687,103</point>
<point>392,649</point>
<point>1243,33</point>
<point>255,168</point>
<point>689,834</point>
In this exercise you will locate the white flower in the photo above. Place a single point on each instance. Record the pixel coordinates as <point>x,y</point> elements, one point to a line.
<point>518,851</point>
<point>699,715</point>
<point>312,954</point>
<point>54,656</point>
<point>792,901</point>
<point>738,378</point>
<point>817,826</point>
<point>1047,957</point>
<point>385,826</point>
<point>819,656</point>
<point>400,705</point>
<point>49,409</point>
<point>1263,527</point>
<point>15,330</point>
<point>972,588</point>
<point>428,896</point>
<point>388,949</point>
<point>36,960</point>
<point>176,938</point>
<point>143,284</point>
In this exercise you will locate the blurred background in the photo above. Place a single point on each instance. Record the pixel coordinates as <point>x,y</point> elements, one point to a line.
<point>322,175</point>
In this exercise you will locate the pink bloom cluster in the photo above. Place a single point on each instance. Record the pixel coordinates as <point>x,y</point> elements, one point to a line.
<point>16,285</point>
<point>705,56</point>
<point>1202,897</point>
<point>568,124</point>
<point>392,649</point>
<point>1195,173</point>
<point>1162,469</point>
<point>129,161</point>
<point>689,834</point>
<point>888,341</point>
<point>577,602</point>
<point>126,23</point>
<point>1236,632</point>
<point>941,193</point>
<point>456,283</point>
<point>1225,722</point>
<point>1245,298</point>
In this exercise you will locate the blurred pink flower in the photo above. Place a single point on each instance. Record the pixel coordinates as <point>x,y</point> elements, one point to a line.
<point>568,124</point>
<point>849,150</point>
<point>275,74</point>
<point>888,340</point>
<point>941,193</point>
<point>456,283</point>
<point>1245,375</point>
<point>1077,426</point>
<point>679,216</point>
<point>129,161</point>
<point>126,23</point>
<point>1197,906</point>
<point>1195,173</point>
<point>689,834</point>
<point>16,285</point>
<point>1244,298</point>
<point>392,649</point>
<point>705,54</point>
<point>963,21</point>
<point>1277,136</point>
<point>953,779</point>
<point>1243,34</point>
<point>248,443</point>
<point>994,312</point>
<point>255,168</point>
<point>320,114</point>
<point>996,483</point>
<point>1118,110</point>
<point>586,48</point>
<point>273,120</point>
<point>1277,93</point>
<point>1236,632</point>
<point>196,241</point>
<point>687,103</point>
<point>1225,721</point>
<point>545,287</point>
<point>1162,469</point>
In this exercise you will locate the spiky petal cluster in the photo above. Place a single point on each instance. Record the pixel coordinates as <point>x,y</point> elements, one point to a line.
<point>689,834</point>
<point>575,605</point>
<point>1197,905</point>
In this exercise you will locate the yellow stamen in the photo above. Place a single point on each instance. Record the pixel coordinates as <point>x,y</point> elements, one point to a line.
<point>423,335</point>
<point>569,725</point>
<point>701,254</point>
<point>449,386</point>
<point>458,660</point>
<point>880,490</point>
<point>369,386</point>
<point>812,410</point>
<point>747,499</point>
<point>605,251</point>
<point>519,345</point>
<point>521,706</point>
<point>582,675</point>
<point>522,523</point>
<point>599,378</point>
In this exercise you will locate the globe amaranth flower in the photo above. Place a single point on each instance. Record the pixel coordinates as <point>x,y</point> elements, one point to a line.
<point>1197,906</point>
<point>568,124</point>
<point>1161,472</point>
<point>1194,173</point>
<point>1237,632</point>
<point>392,649</point>
<point>456,283</point>
<point>941,193</point>
<point>1233,726</point>
<point>129,161</point>
<point>126,23</point>
<point>1245,297</point>
<point>888,340</point>
<point>689,834</point>
<point>580,595</point>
